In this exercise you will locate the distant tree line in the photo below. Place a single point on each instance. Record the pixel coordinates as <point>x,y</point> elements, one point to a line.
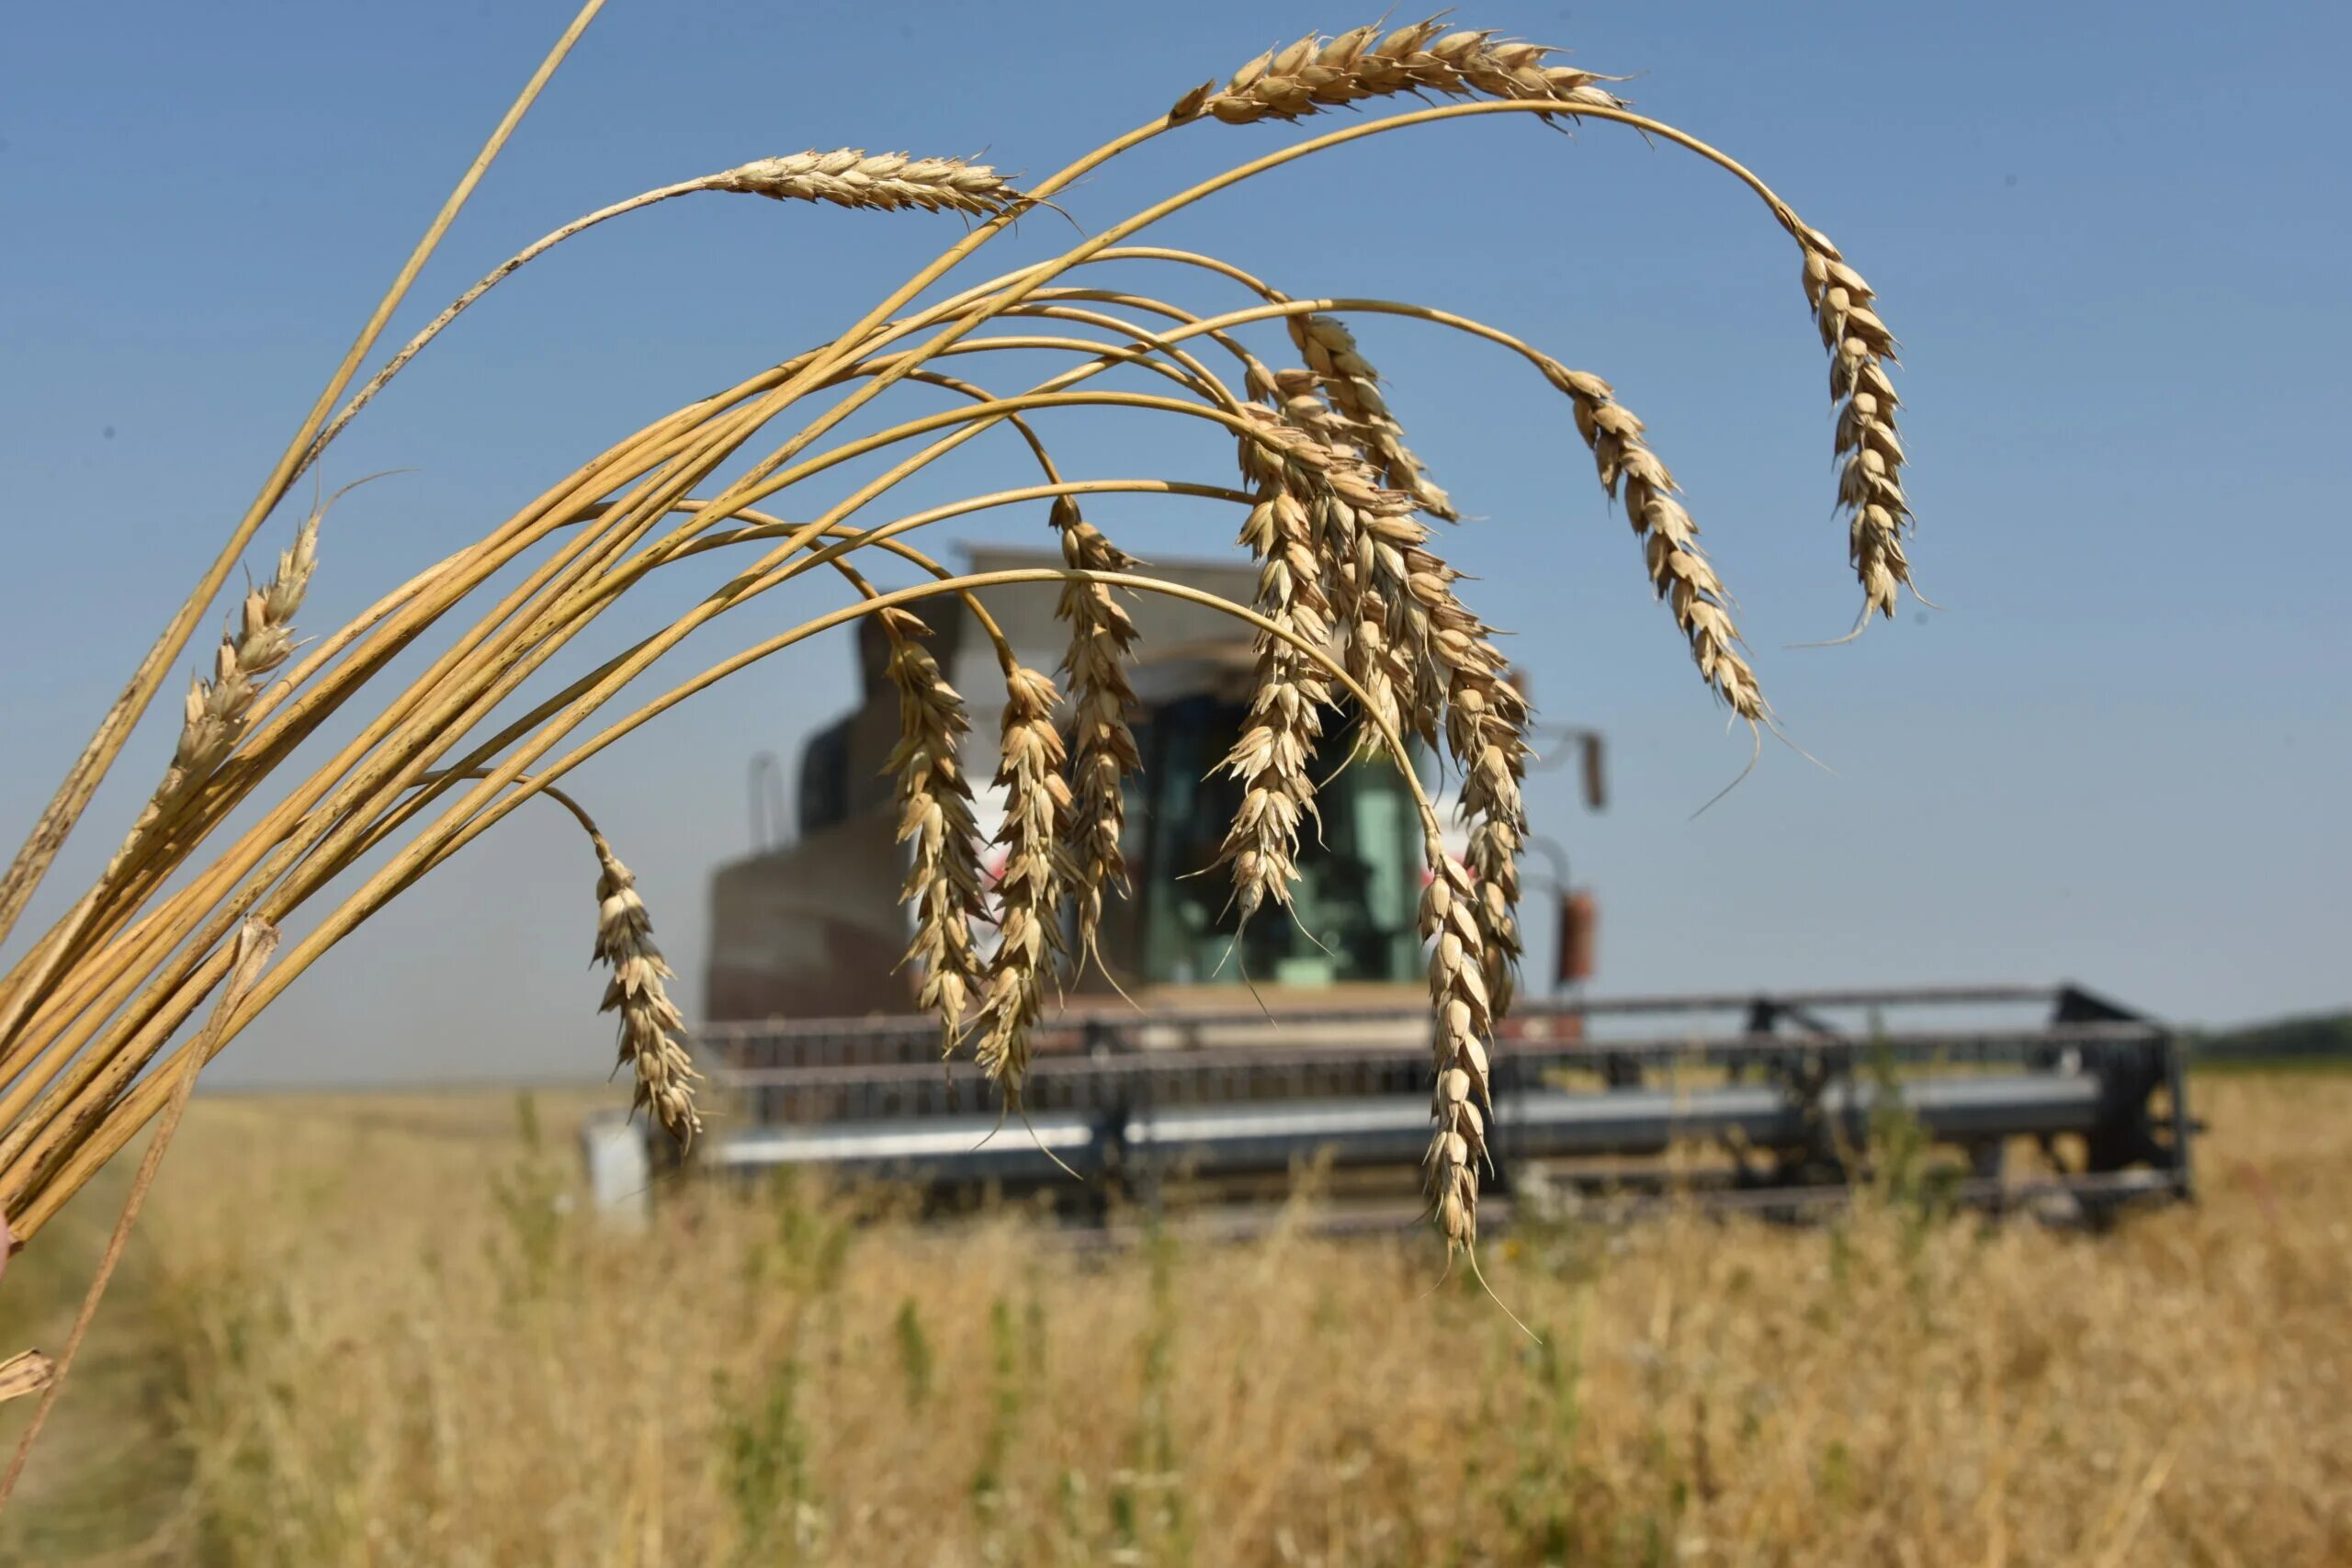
<point>2314,1034</point>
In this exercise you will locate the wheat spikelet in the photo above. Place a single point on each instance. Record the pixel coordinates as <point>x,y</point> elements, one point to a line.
<point>213,718</point>
<point>943,880</point>
<point>1377,664</point>
<point>883,182</point>
<point>650,1027</point>
<point>1394,568</point>
<point>1678,569</point>
<point>1323,73</point>
<point>1029,895</point>
<point>1869,483</point>
<point>1458,995</point>
<point>1361,532</point>
<point>1487,727</point>
<point>1460,673</point>
<point>1342,545</point>
<point>1404,630</point>
<point>1103,749</point>
<point>1285,711</point>
<point>1329,350</point>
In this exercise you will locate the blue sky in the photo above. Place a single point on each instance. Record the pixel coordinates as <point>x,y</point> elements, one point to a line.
<point>2112,239</point>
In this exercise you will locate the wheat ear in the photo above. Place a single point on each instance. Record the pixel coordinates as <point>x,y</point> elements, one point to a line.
<point>1318,72</point>
<point>1486,727</point>
<point>1678,569</point>
<point>1029,894</point>
<point>1102,747</point>
<point>1285,710</point>
<point>214,717</point>
<point>883,182</point>
<point>651,1032</point>
<point>1868,481</point>
<point>1353,386</point>
<point>1405,629</point>
<point>1458,995</point>
<point>943,876</point>
<point>1343,544</point>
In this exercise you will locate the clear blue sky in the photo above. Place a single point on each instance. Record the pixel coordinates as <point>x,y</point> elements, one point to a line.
<point>2113,240</point>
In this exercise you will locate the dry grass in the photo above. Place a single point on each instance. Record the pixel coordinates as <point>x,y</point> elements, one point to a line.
<point>406,1355</point>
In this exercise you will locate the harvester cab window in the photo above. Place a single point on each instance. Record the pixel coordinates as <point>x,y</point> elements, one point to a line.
<point>1359,879</point>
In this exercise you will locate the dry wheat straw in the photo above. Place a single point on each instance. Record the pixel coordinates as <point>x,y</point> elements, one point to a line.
<point>845,178</point>
<point>651,1030</point>
<point>73,796</point>
<point>881,182</point>
<point>1029,892</point>
<point>1102,747</point>
<point>1868,482</point>
<point>1679,570</point>
<point>1318,72</point>
<point>943,876</point>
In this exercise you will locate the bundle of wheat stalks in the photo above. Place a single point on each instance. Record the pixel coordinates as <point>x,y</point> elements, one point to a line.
<point>1356,612</point>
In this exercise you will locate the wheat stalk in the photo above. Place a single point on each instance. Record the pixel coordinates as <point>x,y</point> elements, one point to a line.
<point>846,177</point>
<point>72,797</point>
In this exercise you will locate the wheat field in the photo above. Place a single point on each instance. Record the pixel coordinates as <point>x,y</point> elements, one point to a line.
<point>376,1330</point>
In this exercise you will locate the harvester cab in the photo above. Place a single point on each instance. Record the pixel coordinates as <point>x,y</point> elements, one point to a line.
<point>813,927</point>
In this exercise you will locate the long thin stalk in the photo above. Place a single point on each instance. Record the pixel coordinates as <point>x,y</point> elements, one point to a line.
<point>49,833</point>
<point>490,280</point>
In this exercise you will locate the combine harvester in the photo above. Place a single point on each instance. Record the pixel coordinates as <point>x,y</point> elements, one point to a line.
<point>1196,1093</point>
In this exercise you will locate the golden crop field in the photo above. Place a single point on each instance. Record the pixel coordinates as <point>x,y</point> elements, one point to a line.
<point>369,1330</point>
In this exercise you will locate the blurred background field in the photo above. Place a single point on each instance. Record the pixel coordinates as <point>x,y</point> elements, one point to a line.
<point>380,1329</point>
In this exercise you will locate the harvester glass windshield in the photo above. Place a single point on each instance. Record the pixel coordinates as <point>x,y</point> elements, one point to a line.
<point>1358,881</point>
